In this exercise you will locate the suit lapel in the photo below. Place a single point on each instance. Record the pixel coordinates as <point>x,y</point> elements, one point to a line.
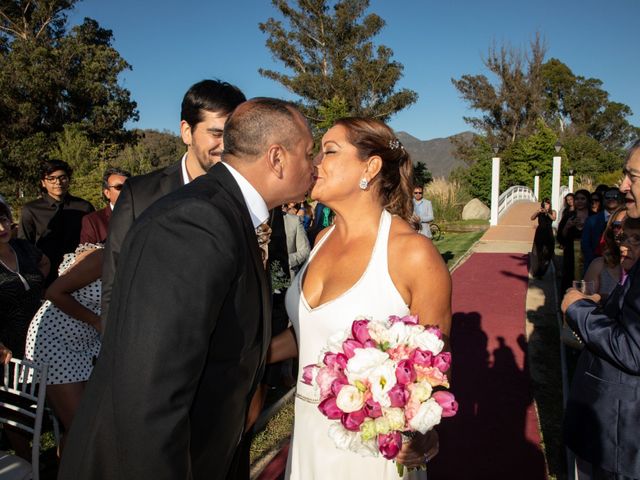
<point>172,178</point>
<point>228,183</point>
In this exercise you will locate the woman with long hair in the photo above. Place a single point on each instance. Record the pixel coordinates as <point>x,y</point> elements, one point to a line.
<point>569,235</point>
<point>385,267</point>
<point>543,241</point>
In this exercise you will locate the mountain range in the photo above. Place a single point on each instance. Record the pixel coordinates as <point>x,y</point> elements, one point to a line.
<point>437,154</point>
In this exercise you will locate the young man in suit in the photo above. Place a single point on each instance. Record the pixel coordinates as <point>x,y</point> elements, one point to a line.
<point>603,408</point>
<point>189,325</point>
<point>95,225</point>
<point>205,108</point>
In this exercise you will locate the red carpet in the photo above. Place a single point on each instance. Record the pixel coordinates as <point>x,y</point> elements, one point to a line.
<point>495,434</point>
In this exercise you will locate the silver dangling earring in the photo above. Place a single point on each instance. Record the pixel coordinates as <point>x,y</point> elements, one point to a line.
<point>364,183</point>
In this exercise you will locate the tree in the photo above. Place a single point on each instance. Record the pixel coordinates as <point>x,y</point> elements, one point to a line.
<point>511,107</point>
<point>334,64</point>
<point>52,78</point>
<point>421,174</point>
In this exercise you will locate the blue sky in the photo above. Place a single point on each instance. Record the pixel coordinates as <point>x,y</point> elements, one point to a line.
<point>173,44</point>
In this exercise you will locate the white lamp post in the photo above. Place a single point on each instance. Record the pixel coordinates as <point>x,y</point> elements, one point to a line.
<point>495,186</point>
<point>555,177</point>
<point>571,174</point>
<point>536,186</point>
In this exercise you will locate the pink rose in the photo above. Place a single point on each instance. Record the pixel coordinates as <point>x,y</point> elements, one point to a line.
<point>420,357</point>
<point>372,408</point>
<point>370,344</point>
<point>398,396</point>
<point>349,347</point>
<point>394,319</point>
<point>434,376</point>
<point>405,372</point>
<point>360,330</point>
<point>389,444</point>
<point>410,320</point>
<point>329,408</point>
<point>435,330</point>
<point>335,361</point>
<point>442,361</point>
<point>447,401</point>
<point>352,421</point>
<point>308,374</point>
<point>324,379</point>
<point>338,383</point>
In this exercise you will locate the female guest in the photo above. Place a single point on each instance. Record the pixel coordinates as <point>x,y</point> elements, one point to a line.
<point>568,206</point>
<point>64,333</point>
<point>596,203</point>
<point>23,269</point>
<point>385,268</point>
<point>543,241</point>
<point>569,235</point>
<point>605,272</point>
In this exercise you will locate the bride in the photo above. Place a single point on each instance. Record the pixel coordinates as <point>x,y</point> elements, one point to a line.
<point>371,262</point>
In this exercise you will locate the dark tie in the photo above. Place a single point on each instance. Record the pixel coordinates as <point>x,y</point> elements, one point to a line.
<point>263,232</point>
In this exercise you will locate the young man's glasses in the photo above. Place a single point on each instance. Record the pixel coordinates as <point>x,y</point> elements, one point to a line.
<point>59,178</point>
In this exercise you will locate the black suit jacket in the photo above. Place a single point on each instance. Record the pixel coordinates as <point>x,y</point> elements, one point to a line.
<point>138,193</point>
<point>188,332</point>
<point>603,409</point>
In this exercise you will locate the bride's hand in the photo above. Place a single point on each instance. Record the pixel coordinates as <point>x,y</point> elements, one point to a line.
<point>419,450</point>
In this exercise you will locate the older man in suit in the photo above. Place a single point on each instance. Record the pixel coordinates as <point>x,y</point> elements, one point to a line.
<point>603,410</point>
<point>205,108</point>
<point>95,225</point>
<point>189,324</point>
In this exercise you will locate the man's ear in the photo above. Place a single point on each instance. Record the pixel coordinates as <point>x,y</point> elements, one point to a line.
<point>275,159</point>
<point>374,165</point>
<point>185,133</point>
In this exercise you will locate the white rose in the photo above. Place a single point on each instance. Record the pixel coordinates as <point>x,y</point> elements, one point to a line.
<point>334,344</point>
<point>342,437</point>
<point>420,391</point>
<point>395,416</point>
<point>382,425</point>
<point>397,334</point>
<point>350,399</point>
<point>363,363</point>
<point>383,379</point>
<point>427,417</point>
<point>365,448</point>
<point>377,330</point>
<point>426,341</point>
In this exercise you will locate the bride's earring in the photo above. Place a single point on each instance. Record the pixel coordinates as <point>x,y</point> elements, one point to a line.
<point>364,183</point>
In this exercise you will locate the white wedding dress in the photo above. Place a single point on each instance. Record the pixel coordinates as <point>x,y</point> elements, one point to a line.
<point>313,454</point>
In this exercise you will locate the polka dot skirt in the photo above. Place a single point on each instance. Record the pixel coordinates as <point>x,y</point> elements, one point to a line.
<point>67,345</point>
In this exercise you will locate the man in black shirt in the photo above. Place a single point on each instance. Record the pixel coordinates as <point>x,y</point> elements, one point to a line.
<point>52,222</point>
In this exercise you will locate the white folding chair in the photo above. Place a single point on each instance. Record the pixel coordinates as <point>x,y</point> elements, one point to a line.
<point>22,396</point>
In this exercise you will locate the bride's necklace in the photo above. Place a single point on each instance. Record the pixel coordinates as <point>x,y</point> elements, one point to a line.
<point>17,270</point>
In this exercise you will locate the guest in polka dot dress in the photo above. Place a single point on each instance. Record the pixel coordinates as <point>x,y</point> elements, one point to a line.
<point>64,333</point>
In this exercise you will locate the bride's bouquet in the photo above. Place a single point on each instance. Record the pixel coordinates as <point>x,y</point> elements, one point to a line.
<point>381,379</point>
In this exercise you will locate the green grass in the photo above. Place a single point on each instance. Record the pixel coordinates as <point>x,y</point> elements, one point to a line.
<point>276,431</point>
<point>452,246</point>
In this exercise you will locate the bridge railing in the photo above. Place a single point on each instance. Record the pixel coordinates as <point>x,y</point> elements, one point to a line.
<point>512,195</point>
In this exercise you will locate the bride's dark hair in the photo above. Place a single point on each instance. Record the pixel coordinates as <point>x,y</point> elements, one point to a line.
<point>394,182</point>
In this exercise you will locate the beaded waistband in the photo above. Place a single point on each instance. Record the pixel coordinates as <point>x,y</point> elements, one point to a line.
<point>313,401</point>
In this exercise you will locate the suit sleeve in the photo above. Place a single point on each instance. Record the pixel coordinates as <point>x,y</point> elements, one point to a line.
<point>586,242</point>
<point>121,220</point>
<point>177,273</point>
<point>616,340</point>
<point>303,248</point>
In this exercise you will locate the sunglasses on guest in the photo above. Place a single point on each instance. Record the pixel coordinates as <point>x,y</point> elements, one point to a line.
<point>117,186</point>
<point>632,240</point>
<point>417,192</point>
<point>611,196</point>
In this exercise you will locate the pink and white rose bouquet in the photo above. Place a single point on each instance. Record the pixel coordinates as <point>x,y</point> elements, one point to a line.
<point>381,379</point>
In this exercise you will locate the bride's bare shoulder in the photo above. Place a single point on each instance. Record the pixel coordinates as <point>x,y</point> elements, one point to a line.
<point>410,248</point>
